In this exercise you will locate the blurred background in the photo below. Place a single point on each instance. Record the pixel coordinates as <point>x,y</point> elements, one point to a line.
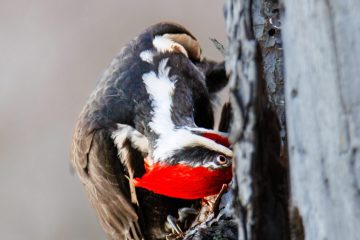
<point>51,55</point>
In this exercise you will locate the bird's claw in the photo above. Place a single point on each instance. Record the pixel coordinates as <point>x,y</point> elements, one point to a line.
<point>184,221</point>
<point>172,224</point>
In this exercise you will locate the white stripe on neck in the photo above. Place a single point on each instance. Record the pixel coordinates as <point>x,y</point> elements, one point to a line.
<point>161,88</point>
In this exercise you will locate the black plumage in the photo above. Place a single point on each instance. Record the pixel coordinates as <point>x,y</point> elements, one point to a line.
<point>121,97</point>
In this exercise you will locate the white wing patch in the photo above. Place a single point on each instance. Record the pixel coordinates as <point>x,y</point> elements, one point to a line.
<point>147,56</point>
<point>137,140</point>
<point>161,88</point>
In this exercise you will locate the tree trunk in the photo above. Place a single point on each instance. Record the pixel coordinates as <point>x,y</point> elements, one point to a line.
<point>322,65</point>
<point>254,63</point>
<point>322,49</point>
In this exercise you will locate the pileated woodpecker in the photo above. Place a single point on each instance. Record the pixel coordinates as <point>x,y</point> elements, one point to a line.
<point>143,145</point>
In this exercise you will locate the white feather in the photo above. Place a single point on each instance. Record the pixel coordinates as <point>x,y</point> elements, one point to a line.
<point>164,44</point>
<point>147,56</point>
<point>137,140</point>
<point>161,89</point>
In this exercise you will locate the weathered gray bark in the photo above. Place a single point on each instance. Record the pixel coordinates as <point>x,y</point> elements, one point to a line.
<point>242,66</point>
<point>322,65</point>
<point>261,179</point>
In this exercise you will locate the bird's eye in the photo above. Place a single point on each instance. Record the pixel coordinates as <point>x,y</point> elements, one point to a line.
<point>221,160</point>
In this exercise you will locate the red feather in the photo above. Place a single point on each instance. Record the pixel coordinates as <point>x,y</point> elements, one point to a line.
<point>217,138</point>
<point>182,181</point>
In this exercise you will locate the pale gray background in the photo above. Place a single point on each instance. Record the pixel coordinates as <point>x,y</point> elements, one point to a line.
<point>52,52</point>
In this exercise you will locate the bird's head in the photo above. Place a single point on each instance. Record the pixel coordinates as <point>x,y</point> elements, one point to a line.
<point>198,147</point>
<point>194,171</point>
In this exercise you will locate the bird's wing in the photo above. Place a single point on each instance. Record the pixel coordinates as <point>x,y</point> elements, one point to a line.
<point>225,118</point>
<point>217,84</point>
<point>95,159</point>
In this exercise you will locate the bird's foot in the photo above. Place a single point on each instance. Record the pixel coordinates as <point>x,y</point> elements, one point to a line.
<point>172,223</point>
<point>173,226</point>
<point>181,224</point>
